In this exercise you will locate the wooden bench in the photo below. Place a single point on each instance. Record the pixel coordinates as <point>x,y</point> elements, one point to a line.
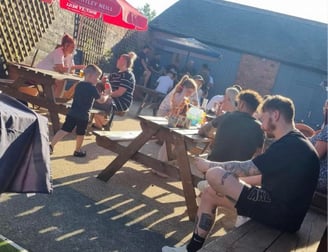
<point>255,237</point>
<point>151,99</point>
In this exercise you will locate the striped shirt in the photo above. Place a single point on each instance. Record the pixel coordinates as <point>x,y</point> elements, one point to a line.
<point>126,80</point>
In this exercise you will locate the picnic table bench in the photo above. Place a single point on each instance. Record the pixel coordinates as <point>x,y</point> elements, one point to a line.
<point>153,127</point>
<point>22,77</point>
<point>151,99</point>
<point>255,237</point>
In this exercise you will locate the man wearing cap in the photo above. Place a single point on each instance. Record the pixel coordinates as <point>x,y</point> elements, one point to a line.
<point>165,83</point>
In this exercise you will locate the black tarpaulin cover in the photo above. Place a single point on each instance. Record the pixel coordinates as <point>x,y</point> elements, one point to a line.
<point>24,149</point>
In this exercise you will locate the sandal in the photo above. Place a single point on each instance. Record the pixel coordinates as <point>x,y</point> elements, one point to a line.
<point>79,154</point>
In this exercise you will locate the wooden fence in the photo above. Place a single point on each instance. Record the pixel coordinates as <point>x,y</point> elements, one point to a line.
<point>22,24</point>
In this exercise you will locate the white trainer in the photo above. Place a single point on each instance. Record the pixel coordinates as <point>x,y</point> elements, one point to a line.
<point>241,220</point>
<point>202,185</point>
<point>173,249</point>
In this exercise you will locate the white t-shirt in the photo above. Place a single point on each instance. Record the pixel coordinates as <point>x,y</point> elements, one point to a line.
<point>215,99</point>
<point>165,84</point>
<point>56,57</point>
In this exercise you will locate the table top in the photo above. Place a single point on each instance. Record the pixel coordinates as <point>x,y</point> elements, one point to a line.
<point>191,133</point>
<point>53,74</point>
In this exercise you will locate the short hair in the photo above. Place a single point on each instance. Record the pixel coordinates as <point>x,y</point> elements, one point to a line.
<point>92,69</point>
<point>251,98</point>
<point>281,103</point>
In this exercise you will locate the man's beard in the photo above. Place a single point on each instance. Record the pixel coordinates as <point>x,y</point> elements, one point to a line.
<point>270,129</point>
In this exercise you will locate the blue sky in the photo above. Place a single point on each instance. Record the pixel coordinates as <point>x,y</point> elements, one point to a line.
<point>314,10</point>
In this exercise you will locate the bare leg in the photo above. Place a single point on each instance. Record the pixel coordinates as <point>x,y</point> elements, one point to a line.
<point>79,141</point>
<point>59,88</point>
<point>99,120</point>
<point>147,75</point>
<point>59,136</point>
<point>224,182</point>
<point>207,211</point>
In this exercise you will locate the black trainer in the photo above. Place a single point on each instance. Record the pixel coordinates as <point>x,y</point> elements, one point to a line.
<point>79,154</point>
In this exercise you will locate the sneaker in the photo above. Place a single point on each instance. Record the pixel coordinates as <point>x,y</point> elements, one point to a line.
<point>202,185</point>
<point>177,249</point>
<point>241,220</point>
<point>51,149</point>
<point>79,154</point>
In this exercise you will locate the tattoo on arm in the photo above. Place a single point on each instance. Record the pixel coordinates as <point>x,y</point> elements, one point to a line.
<point>241,168</point>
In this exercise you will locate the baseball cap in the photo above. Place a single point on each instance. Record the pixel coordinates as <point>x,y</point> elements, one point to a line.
<point>198,77</point>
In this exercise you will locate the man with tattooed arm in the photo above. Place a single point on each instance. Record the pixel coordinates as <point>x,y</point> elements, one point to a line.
<point>289,169</point>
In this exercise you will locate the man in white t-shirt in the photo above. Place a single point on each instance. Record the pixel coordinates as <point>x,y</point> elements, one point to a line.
<point>165,82</point>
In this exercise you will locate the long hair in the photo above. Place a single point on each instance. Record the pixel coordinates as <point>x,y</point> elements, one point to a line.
<point>185,82</point>
<point>67,39</point>
<point>232,93</point>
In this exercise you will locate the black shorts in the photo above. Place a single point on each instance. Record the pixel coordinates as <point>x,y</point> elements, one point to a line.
<point>72,122</point>
<point>257,204</point>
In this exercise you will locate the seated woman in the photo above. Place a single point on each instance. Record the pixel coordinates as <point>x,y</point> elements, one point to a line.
<point>319,140</point>
<point>174,104</point>
<point>122,84</point>
<point>184,89</point>
<point>61,60</point>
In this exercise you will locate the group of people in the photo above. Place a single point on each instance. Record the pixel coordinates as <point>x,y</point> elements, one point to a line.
<point>113,94</point>
<point>271,184</point>
<point>150,73</point>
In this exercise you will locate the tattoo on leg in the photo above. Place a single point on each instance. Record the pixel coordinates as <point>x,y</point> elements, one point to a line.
<point>225,176</point>
<point>206,222</point>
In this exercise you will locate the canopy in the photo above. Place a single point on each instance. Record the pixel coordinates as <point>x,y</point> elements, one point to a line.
<point>24,149</point>
<point>116,12</point>
<point>189,47</point>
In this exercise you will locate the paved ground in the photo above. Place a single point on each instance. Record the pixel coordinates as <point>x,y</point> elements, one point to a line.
<point>134,211</point>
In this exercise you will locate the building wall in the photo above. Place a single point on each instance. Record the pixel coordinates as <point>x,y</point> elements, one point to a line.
<point>267,76</point>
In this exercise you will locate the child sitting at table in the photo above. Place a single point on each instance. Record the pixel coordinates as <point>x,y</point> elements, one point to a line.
<point>78,115</point>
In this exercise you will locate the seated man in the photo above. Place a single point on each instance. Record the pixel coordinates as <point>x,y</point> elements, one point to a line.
<point>238,134</point>
<point>289,169</point>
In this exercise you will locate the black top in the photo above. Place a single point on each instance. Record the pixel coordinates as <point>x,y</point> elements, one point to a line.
<point>84,96</point>
<point>290,169</point>
<point>126,80</point>
<point>238,136</point>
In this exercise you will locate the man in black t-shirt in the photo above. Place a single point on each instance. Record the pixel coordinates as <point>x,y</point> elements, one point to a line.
<point>141,68</point>
<point>289,169</point>
<point>238,134</point>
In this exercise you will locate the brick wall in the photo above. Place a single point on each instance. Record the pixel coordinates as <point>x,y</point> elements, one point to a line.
<point>257,73</point>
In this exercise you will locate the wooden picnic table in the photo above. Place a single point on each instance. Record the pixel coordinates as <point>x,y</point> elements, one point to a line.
<point>151,98</point>
<point>44,80</point>
<point>153,127</point>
